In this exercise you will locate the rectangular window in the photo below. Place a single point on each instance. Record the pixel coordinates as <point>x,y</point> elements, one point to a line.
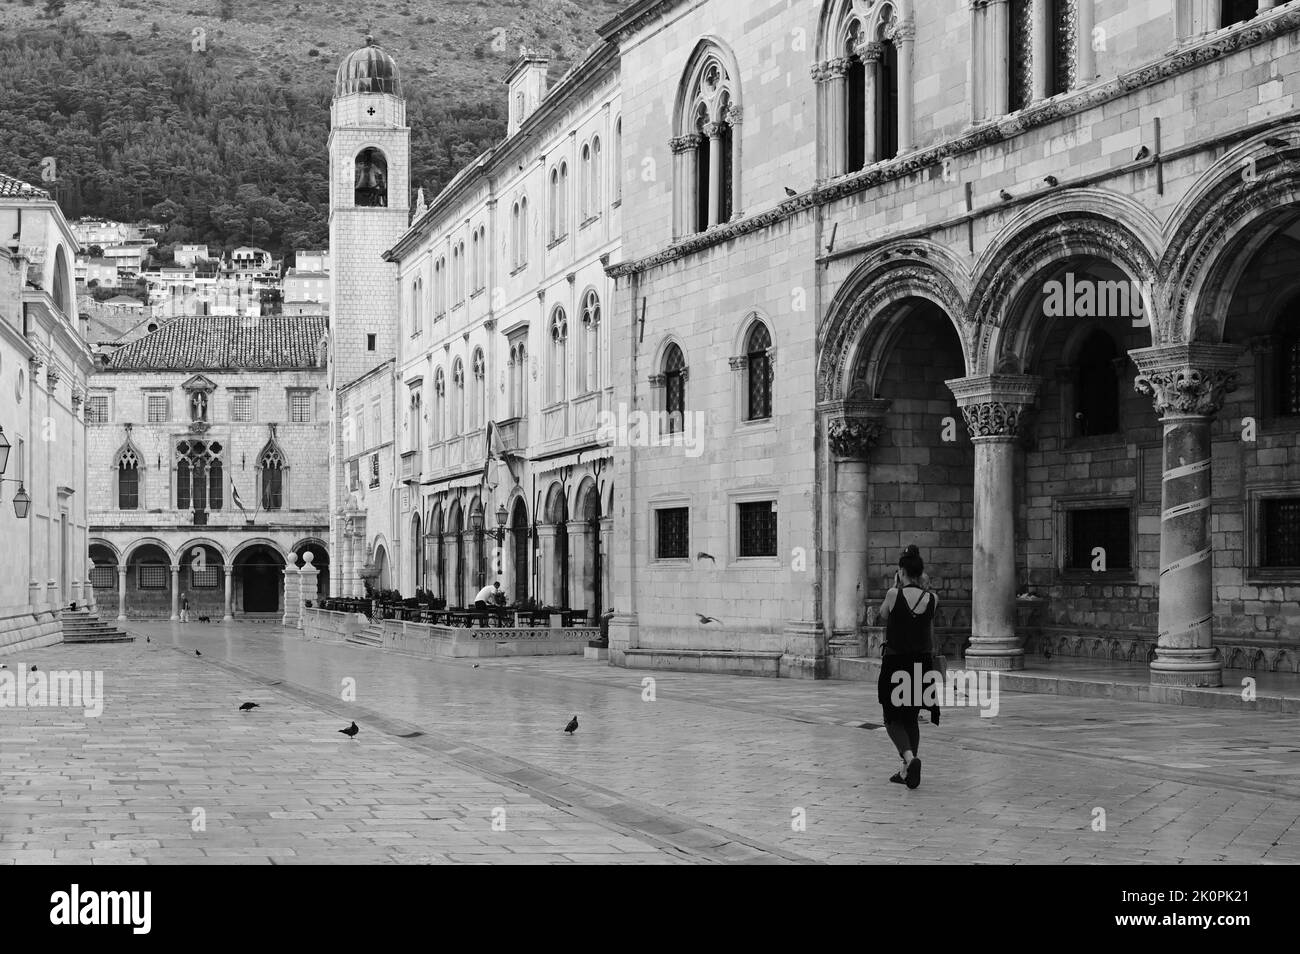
<point>300,407</point>
<point>354,474</point>
<point>374,470</point>
<point>208,578</point>
<point>97,409</point>
<point>1106,528</point>
<point>370,342</point>
<point>151,576</point>
<point>158,410</point>
<point>1281,532</point>
<point>758,528</point>
<point>672,533</point>
<point>241,407</point>
<point>103,577</point>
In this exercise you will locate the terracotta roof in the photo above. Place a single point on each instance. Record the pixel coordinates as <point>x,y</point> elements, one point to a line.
<point>219,342</point>
<point>11,188</point>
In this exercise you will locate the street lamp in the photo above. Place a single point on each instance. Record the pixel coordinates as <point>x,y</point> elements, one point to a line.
<point>21,502</point>
<point>501,523</point>
<point>476,518</point>
<point>4,450</point>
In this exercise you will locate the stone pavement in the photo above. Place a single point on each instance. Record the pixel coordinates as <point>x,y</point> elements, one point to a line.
<point>715,768</point>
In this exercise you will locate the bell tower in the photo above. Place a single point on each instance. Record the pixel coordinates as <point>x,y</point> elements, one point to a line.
<point>369,146</point>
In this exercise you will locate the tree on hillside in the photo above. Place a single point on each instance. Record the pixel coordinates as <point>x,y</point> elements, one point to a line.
<point>54,8</point>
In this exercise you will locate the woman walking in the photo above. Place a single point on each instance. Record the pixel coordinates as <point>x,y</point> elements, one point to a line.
<point>908,615</point>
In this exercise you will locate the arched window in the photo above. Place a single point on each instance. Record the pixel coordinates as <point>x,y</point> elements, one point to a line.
<point>199,475</point>
<point>60,291</point>
<point>855,101</point>
<point>439,404</point>
<point>128,480</point>
<point>482,258</point>
<point>1288,361</point>
<point>461,267</point>
<point>559,355</point>
<point>618,159</point>
<point>416,419</point>
<point>758,370</point>
<point>521,234</point>
<point>595,177</point>
<point>371,179</point>
<point>478,395</point>
<point>415,306</point>
<point>473,263</point>
<point>518,379</point>
<point>588,357</point>
<point>562,202</point>
<point>554,220</point>
<point>455,275</point>
<point>674,373</point>
<point>584,184</point>
<point>270,469</point>
<point>1096,386</point>
<point>707,149</point>
<point>458,399</point>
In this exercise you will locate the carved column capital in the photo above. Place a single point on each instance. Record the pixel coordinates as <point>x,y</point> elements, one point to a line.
<point>685,143</point>
<point>712,130</point>
<point>78,396</point>
<point>853,437</point>
<point>870,52</point>
<point>733,114</point>
<point>837,67</point>
<point>52,377</point>
<point>739,362</point>
<point>656,380</point>
<point>36,362</point>
<point>1186,380</point>
<point>995,406</point>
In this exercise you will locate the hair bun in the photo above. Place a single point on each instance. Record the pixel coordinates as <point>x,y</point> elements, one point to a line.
<point>911,550</point>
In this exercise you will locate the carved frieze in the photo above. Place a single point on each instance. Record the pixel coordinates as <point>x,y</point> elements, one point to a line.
<point>1187,390</point>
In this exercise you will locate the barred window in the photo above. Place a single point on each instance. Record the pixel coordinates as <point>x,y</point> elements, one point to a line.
<point>103,577</point>
<point>1288,358</point>
<point>1021,54</point>
<point>1064,45</point>
<point>672,533</point>
<point>158,410</point>
<point>208,578</point>
<point>1281,532</point>
<point>1104,527</point>
<point>151,576</point>
<point>758,529</point>
<point>759,367</point>
<point>374,470</point>
<point>241,407</point>
<point>300,407</point>
<point>97,409</point>
<point>675,388</point>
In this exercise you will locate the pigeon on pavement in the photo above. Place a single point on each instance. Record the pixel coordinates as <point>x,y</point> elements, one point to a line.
<point>572,727</point>
<point>197,653</point>
<point>248,705</point>
<point>351,731</point>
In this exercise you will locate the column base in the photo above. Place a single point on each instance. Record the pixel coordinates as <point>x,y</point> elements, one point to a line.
<point>1186,667</point>
<point>805,651</point>
<point>850,643</point>
<point>622,637</point>
<point>227,618</point>
<point>1000,655</point>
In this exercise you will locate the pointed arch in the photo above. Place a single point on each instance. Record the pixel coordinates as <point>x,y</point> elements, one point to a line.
<point>272,476</point>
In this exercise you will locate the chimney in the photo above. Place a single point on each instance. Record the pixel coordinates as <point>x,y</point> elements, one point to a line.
<point>527,82</point>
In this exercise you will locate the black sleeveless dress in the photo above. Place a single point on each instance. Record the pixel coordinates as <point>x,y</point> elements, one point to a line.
<point>908,642</point>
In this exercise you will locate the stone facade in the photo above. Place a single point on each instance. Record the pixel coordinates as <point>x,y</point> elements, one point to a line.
<point>225,561</point>
<point>44,364</point>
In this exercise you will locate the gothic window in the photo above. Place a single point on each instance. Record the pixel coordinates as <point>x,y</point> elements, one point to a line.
<point>416,419</point>
<point>458,398</point>
<point>855,101</point>
<point>674,388</point>
<point>559,354</point>
<point>128,480</point>
<point>518,379</point>
<point>618,159</point>
<point>588,356</point>
<point>460,271</point>
<point>758,369</point>
<point>199,475</point>
<point>1237,11</point>
<point>1021,57</point>
<point>271,468</point>
<point>478,396</point>
<point>1096,386</point>
<point>519,233</point>
<point>1288,362</point>
<point>371,179</point>
<point>439,402</point>
<point>1063,17</point>
<point>705,170</point>
<point>60,292</point>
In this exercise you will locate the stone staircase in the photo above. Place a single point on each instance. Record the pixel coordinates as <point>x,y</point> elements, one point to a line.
<point>82,626</point>
<point>370,636</point>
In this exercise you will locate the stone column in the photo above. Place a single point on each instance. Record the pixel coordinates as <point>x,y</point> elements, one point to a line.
<point>993,406</point>
<point>1041,26</point>
<point>733,117</point>
<point>714,132</point>
<point>472,567</point>
<point>997,84</point>
<point>904,37</point>
<point>546,569</point>
<point>176,591</point>
<point>121,592</point>
<point>870,54</point>
<point>1187,383</point>
<point>685,171</point>
<point>832,77</point>
<point>292,592</point>
<point>1087,70</point>
<point>606,564</point>
<point>228,571</point>
<point>453,567</point>
<point>307,584</point>
<point>581,595</point>
<point>851,432</point>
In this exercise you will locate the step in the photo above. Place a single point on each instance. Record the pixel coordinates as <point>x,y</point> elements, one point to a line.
<point>366,637</point>
<point>732,662</point>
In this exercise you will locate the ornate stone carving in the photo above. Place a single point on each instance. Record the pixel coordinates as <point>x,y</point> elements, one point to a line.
<point>78,396</point>
<point>36,362</point>
<point>739,362</point>
<point>712,130</point>
<point>685,143</point>
<point>993,419</point>
<point>870,52</point>
<point>1187,390</point>
<point>733,114</point>
<point>853,436</point>
<point>52,378</point>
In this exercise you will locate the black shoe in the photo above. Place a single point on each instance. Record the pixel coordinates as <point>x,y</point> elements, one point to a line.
<point>913,773</point>
<point>898,777</point>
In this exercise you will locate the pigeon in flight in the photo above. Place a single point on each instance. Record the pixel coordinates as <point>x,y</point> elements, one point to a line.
<point>248,705</point>
<point>351,731</point>
<point>707,619</point>
<point>572,727</point>
<point>705,556</point>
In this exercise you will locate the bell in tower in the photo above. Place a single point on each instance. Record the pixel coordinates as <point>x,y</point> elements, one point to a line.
<point>371,181</point>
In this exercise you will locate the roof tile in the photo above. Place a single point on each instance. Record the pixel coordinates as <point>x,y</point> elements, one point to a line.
<point>220,343</point>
